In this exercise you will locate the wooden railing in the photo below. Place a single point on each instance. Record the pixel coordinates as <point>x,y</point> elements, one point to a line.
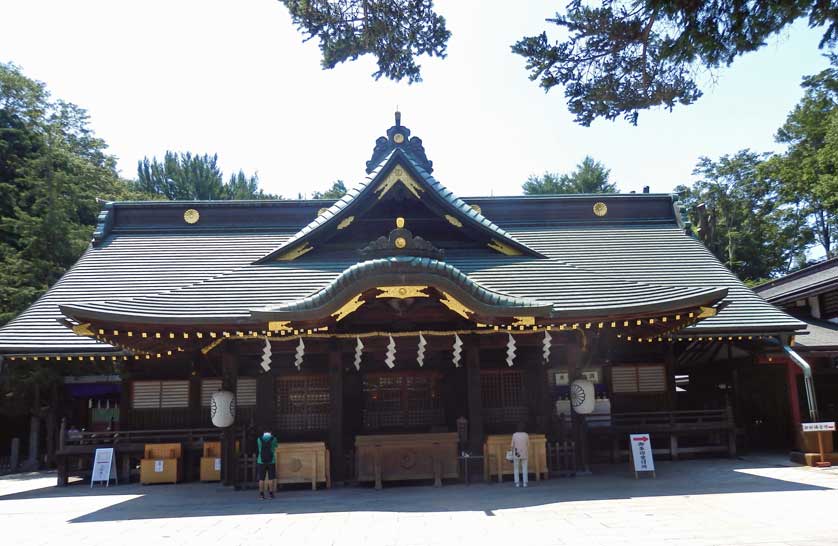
<point>189,436</point>
<point>708,431</point>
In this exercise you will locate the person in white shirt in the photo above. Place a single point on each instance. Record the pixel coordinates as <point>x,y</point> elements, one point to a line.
<point>520,453</point>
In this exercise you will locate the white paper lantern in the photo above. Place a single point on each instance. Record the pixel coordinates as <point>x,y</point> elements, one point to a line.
<point>223,408</point>
<point>582,397</point>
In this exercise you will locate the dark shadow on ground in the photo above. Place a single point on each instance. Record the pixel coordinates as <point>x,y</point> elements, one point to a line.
<point>683,478</point>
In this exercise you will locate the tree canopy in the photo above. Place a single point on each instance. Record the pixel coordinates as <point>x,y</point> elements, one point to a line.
<point>393,31</point>
<point>590,176</point>
<point>809,167</point>
<point>337,191</point>
<point>614,58</point>
<point>52,170</point>
<point>738,212</point>
<point>188,176</point>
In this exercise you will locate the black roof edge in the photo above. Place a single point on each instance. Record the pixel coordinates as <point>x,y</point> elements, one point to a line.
<point>825,264</point>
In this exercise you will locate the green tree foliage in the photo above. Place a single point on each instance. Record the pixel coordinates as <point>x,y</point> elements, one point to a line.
<point>620,57</point>
<point>590,176</point>
<point>337,191</point>
<point>614,58</point>
<point>394,31</point>
<point>52,170</point>
<point>737,209</point>
<point>809,167</point>
<point>189,177</point>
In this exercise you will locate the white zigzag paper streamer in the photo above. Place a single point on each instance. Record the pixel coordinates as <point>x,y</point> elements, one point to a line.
<point>420,352</point>
<point>298,357</point>
<point>359,351</point>
<point>390,359</point>
<point>546,344</point>
<point>510,351</point>
<point>266,357</point>
<point>458,349</point>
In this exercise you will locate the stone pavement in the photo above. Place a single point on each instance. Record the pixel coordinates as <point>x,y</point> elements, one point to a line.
<point>764,501</point>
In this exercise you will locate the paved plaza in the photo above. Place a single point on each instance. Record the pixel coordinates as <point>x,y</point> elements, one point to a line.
<point>754,500</point>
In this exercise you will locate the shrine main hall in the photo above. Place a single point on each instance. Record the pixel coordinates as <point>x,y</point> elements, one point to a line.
<point>401,329</point>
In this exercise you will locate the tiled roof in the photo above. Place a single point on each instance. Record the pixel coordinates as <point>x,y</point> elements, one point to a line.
<point>808,281</point>
<point>588,267</point>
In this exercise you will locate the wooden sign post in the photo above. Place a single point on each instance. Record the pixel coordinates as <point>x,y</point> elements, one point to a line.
<point>104,467</point>
<point>641,454</point>
<point>821,429</point>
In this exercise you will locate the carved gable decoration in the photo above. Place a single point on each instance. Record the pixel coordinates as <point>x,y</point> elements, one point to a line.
<point>400,181</point>
<point>401,242</point>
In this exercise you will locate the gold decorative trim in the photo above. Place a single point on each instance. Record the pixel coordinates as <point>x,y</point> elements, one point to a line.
<point>398,138</point>
<point>400,222</point>
<point>524,321</point>
<point>321,211</point>
<point>707,312</point>
<point>295,252</point>
<point>400,242</point>
<point>191,216</point>
<point>83,330</point>
<point>454,305</point>
<point>600,208</point>
<point>453,221</point>
<point>402,292</point>
<point>345,222</point>
<point>503,249</point>
<point>348,308</point>
<point>477,209</point>
<point>279,325</point>
<point>399,174</point>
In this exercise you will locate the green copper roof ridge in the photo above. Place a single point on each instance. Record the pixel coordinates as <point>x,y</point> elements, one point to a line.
<point>405,265</point>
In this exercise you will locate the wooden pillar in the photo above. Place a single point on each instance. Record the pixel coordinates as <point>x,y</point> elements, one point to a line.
<point>195,417</point>
<point>337,455</point>
<point>669,359</point>
<point>575,356</point>
<point>792,372</point>
<point>475,398</point>
<point>266,403</point>
<point>229,378</point>
<point>125,398</point>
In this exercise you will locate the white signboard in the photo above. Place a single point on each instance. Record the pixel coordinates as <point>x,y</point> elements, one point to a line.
<point>158,466</point>
<point>218,464</point>
<point>641,453</point>
<point>819,427</point>
<point>104,466</point>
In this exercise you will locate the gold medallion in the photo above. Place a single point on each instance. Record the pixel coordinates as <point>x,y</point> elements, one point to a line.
<point>191,216</point>
<point>600,208</point>
<point>400,242</point>
<point>398,138</point>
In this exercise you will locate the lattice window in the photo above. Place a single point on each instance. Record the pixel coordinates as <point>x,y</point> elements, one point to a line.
<point>160,394</point>
<point>402,400</point>
<point>504,396</point>
<point>302,403</point>
<point>640,379</point>
<point>245,391</point>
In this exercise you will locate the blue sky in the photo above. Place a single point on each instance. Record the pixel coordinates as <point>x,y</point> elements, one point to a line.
<point>236,79</point>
